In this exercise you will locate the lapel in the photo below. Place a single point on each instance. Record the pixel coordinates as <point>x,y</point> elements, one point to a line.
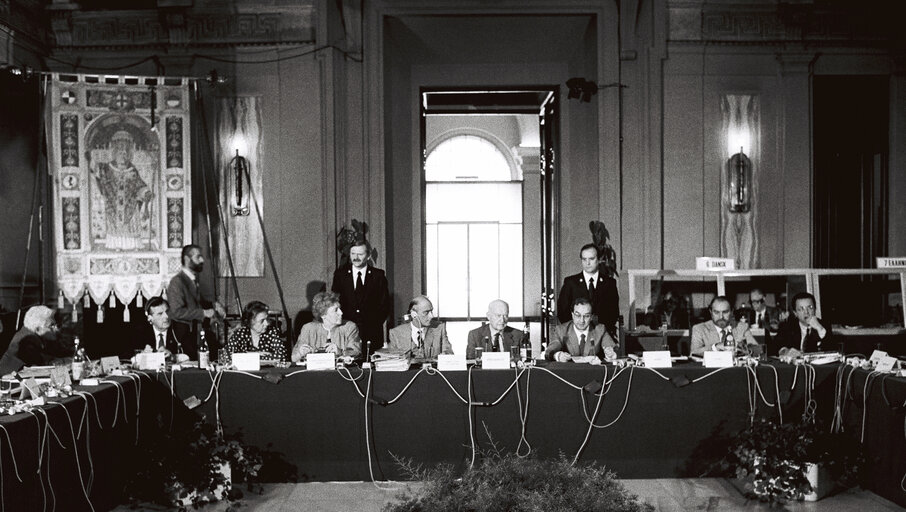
<point>506,338</point>
<point>572,341</point>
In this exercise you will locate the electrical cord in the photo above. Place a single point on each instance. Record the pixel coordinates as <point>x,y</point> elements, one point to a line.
<point>15,468</point>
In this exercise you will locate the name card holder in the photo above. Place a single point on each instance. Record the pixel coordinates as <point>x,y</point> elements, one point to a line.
<point>657,359</point>
<point>151,361</point>
<point>110,364</point>
<point>718,359</point>
<point>877,356</point>
<point>709,263</point>
<point>451,362</point>
<point>887,364</point>
<point>891,262</point>
<point>495,360</point>
<point>326,361</point>
<point>247,361</point>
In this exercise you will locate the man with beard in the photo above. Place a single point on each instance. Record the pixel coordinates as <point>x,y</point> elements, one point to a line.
<point>188,308</point>
<point>715,333</point>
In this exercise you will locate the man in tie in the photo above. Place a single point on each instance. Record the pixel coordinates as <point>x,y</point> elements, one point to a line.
<point>805,332</point>
<point>188,307</point>
<point>422,336</point>
<point>592,285</point>
<point>766,317</point>
<point>719,333</point>
<point>581,337</point>
<point>159,337</point>
<point>364,294</point>
<point>496,335</point>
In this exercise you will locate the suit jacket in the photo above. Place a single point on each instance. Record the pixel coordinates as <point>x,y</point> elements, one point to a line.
<point>790,336</point>
<point>146,336</point>
<point>313,335</point>
<point>187,307</point>
<point>508,338</point>
<point>434,340</point>
<point>605,304</point>
<point>771,316</point>
<point>368,307</point>
<point>565,340</point>
<point>705,335</point>
<point>28,349</point>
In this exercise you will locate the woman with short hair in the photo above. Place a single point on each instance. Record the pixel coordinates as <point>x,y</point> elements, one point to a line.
<point>257,334</point>
<point>327,332</point>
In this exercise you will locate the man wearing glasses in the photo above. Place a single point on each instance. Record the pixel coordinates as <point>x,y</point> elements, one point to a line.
<point>35,344</point>
<point>766,317</point>
<point>581,337</point>
<point>806,333</point>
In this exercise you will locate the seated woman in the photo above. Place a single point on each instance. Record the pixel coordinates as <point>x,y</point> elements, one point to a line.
<point>327,332</point>
<point>256,334</point>
<point>36,343</point>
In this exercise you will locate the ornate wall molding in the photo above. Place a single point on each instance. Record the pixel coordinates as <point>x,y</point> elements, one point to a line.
<point>693,22</point>
<point>163,27</point>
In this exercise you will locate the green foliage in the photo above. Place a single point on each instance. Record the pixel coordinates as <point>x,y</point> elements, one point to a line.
<point>772,457</point>
<point>607,255</point>
<point>509,483</point>
<point>349,236</point>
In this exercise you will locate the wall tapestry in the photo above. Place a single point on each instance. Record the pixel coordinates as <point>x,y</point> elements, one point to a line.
<point>121,165</point>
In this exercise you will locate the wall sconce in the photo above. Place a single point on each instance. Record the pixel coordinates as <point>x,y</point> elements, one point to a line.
<point>739,182</point>
<point>239,168</point>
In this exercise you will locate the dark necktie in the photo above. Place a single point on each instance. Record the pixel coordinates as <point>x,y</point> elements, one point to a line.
<point>723,337</point>
<point>160,341</point>
<point>419,339</point>
<point>591,287</point>
<point>497,342</point>
<point>760,319</point>
<point>808,334</point>
<point>582,345</point>
<point>358,281</point>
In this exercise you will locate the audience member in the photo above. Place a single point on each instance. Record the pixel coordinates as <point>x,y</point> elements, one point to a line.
<point>422,336</point>
<point>670,312</point>
<point>328,332</point>
<point>580,337</point>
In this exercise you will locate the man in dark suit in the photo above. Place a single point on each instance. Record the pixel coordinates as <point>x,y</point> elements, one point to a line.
<point>35,344</point>
<point>188,308</point>
<point>581,337</point>
<point>805,332</point>
<point>158,334</point>
<point>496,335</point>
<point>364,295</point>
<point>766,317</point>
<point>600,290</point>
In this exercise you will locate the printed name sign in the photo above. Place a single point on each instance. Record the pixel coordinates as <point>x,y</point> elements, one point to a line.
<point>709,263</point>
<point>889,262</point>
<point>451,362</point>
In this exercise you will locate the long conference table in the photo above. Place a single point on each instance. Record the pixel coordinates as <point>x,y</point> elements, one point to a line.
<point>357,424</point>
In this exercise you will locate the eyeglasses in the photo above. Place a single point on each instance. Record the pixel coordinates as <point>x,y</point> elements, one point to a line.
<point>585,316</point>
<point>806,309</point>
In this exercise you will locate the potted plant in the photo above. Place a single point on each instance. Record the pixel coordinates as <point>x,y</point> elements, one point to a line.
<point>774,461</point>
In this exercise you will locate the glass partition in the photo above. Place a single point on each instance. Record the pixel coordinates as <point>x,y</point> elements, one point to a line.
<point>669,299</point>
<point>860,301</point>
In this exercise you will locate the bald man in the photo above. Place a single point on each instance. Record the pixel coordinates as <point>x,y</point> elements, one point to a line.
<point>423,336</point>
<point>494,336</point>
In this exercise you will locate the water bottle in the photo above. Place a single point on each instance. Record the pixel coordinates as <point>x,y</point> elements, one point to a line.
<point>525,350</point>
<point>78,361</point>
<point>204,356</point>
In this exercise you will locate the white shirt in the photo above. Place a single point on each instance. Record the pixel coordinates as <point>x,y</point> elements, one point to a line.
<point>579,333</point>
<point>415,332</point>
<point>592,277</point>
<point>157,344</point>
<point>355,274</point>
<point>493,332</point>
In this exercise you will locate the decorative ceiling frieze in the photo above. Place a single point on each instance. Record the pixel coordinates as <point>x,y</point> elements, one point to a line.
<point>180,27</point>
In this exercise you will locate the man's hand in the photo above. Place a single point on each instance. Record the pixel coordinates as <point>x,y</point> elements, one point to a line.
<point>816,325</point>
<point>784,315</point>
<point>209,313</point>
<point>305,350</point>
<point>562,357</point>
<point>610,354</point>
<point>332,348</point>
<point>218,308</point>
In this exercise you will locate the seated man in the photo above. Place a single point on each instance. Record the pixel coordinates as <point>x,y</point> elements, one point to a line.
<point>421,336</point>
<point>35,344</point>
<point>668,313</point>
<point>713,334</point>
<point>158,335</point>
<point>579,337</point>
<point>805,333</point>
<point>766,317</point>
<point>496,335</point>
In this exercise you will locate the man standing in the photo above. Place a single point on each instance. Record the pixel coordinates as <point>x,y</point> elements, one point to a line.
<point>364,295</point>
<point>766,317</point>
<point>590,284</point>
<point>496,335</point>
<point>580,337</point>
<point>159,334</point>
<point>806,333</point>
<point>715,333</point>
<point>422,336</point>
<point>188,309</point>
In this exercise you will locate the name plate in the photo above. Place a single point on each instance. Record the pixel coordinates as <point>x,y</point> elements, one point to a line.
<point>451,362</point>
<point>709,263</point>
<point>325,361</point>
<point>889,262</point>
<point>877,356</point>
<point>657,359</point>
<point>718,359</point>
<point>247,361</point>
<point>495,360</point>
<point>150,360</point>
<point>110,364</point>
<point>887,364</point>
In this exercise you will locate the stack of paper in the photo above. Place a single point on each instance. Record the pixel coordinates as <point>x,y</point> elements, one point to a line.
<point>391,364</point>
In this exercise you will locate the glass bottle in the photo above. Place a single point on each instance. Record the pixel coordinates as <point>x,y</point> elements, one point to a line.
<point>525,350</point>
<point>204,356</point>
<point>78,361</point>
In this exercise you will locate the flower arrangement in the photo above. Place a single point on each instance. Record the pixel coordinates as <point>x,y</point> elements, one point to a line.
<point>772,458</point>
<point>349,236</point>
<point>511,483</point>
